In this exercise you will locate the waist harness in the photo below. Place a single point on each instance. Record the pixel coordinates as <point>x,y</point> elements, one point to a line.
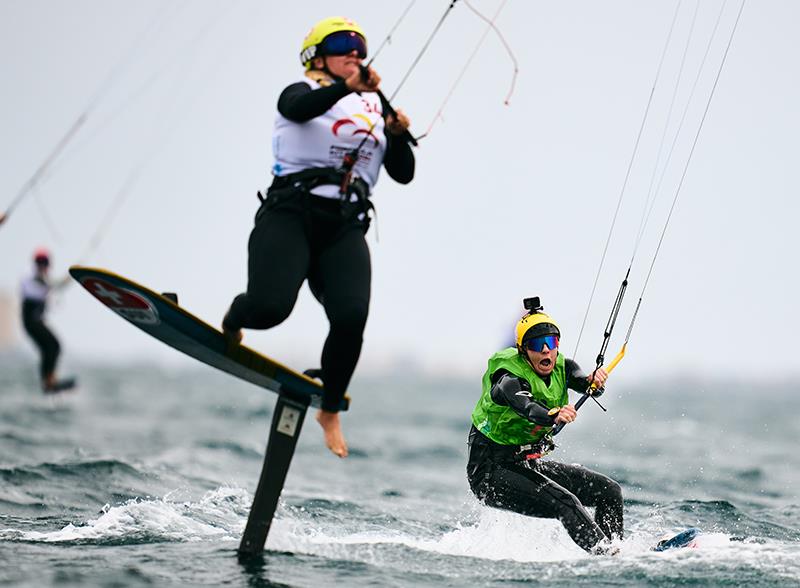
<point>306,180</point>
<point>517,454</point>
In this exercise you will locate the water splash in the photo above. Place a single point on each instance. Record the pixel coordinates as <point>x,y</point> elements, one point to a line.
<point>218,515</point>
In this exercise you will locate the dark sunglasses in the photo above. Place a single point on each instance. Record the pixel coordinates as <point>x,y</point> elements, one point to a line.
<point>343,43</point>
<point>537,343</point>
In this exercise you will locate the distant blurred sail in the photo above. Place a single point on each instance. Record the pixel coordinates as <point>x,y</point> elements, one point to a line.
<point>8,316</point>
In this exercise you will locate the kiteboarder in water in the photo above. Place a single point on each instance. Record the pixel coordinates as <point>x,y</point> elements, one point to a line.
<point>524,396</point>
<point>35,291</point>
<point>332,134</point>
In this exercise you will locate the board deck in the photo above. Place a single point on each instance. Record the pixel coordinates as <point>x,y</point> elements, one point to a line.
<point>63,385</point>
<point>162,318</point>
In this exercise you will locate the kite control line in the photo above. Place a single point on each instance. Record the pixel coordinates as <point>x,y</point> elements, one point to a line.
<point>618,301</point>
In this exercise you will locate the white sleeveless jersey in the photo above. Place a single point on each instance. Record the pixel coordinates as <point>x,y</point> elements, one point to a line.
<point>323,141</point>
<point>34,288</point>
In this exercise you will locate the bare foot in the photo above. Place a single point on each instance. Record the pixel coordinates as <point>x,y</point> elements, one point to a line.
<point>235,336</point>
<point>332,429</point>
<point>49,382</point>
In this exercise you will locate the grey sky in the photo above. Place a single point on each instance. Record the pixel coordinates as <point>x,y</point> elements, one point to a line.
<point>509,201</point>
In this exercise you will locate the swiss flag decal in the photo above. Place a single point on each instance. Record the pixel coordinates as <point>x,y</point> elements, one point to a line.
<point>126,303</point>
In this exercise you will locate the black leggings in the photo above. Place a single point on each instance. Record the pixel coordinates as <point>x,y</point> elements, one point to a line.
<point>557,491</point>
<point>306,237</point>
<point>48,345</point>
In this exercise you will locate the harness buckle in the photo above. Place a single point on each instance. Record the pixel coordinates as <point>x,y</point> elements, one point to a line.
<point>533,451</point>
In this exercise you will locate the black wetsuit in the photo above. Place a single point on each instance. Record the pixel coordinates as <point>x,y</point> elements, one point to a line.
<point>299,236</point>
<point>508,477</point>
<point>33,308</point>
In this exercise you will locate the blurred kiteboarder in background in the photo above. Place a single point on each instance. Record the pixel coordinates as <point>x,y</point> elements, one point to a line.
<point>35,291</point>
<point>333,132</point>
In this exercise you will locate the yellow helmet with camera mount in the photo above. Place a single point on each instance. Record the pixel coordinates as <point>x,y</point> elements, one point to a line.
<point>534,324</point>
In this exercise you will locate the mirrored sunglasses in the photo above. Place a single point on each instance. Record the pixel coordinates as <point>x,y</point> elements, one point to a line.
<point>537,343</point>
<point>342,43</point>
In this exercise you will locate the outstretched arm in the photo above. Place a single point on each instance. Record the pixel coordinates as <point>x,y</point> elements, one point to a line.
<point>579,381</point>
<point>61,283</point>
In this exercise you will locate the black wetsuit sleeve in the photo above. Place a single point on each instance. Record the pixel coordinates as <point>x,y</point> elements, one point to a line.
<point>577,379</point>
<point>399,159</point>
<point>299,103</point>
<point>509,390</point>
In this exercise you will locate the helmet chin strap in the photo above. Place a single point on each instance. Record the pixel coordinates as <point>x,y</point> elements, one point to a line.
<point>524,353</point>
<point>333,76</point>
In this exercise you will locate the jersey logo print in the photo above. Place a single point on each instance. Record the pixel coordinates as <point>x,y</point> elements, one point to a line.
<point>357,131</point>
<point>523,393</point>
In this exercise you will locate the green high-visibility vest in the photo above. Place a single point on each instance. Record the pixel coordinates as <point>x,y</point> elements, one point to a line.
<point>502,424</point>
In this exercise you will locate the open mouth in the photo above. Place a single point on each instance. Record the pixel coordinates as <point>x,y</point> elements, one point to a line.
<point>546,362</point>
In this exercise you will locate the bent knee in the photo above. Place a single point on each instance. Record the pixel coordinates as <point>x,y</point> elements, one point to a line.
<point>268,313</point>
<point>608,487</point>
<point>614,490</point>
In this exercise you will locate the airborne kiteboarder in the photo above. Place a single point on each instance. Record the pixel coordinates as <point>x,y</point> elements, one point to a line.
<point>333,132</point>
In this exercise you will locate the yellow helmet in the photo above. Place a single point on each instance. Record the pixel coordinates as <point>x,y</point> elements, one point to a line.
<point>534,324</point>
<point>313,43</point>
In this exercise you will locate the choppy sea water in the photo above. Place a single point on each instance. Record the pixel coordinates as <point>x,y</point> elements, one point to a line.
<point>145,476</point>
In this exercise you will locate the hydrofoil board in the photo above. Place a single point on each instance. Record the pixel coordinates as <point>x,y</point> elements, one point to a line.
<point>161,317</point>
<point>63,385</point>
<point>685,538</point>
